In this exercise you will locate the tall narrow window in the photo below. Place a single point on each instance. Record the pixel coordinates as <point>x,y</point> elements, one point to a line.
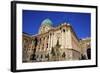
<point>40,40</point>
<point>63,30</point>
<point>47,45</point>
<point>89,53</point>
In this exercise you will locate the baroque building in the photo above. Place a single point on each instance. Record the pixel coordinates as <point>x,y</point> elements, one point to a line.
<point>86,48</point>
<point>54,44</point>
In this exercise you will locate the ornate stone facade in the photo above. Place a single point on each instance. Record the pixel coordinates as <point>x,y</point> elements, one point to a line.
<point>52,44</point>
<point>86,48</point>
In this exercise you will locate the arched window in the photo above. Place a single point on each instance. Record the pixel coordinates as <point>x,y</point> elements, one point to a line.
<point>50,34</point>
<point>47,45</point>
<point>89,53</point>
<point>63,30</point>
<point>36,41</point>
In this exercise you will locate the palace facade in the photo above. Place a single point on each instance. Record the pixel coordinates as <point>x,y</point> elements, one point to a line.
<point>54,44</point>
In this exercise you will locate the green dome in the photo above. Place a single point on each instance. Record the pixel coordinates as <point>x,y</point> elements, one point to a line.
<point>47,22</point>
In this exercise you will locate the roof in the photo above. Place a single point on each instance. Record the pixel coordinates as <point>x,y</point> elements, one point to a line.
<point>47,22</point>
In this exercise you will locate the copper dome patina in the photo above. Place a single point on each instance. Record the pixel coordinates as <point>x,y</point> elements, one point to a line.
<point>47,22</point>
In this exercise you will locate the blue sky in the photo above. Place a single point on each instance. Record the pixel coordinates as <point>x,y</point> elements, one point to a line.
<point>81,22</point>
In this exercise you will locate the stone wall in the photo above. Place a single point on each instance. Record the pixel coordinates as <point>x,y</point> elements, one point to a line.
<point>57,44</point>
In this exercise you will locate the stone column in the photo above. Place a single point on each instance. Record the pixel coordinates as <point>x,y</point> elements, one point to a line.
<point>45,43</point>
<point>49,42</point>
<point>63,39</point>
<point>52,40</point>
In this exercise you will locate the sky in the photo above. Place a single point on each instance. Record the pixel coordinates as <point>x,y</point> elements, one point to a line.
<point>81,22</point>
